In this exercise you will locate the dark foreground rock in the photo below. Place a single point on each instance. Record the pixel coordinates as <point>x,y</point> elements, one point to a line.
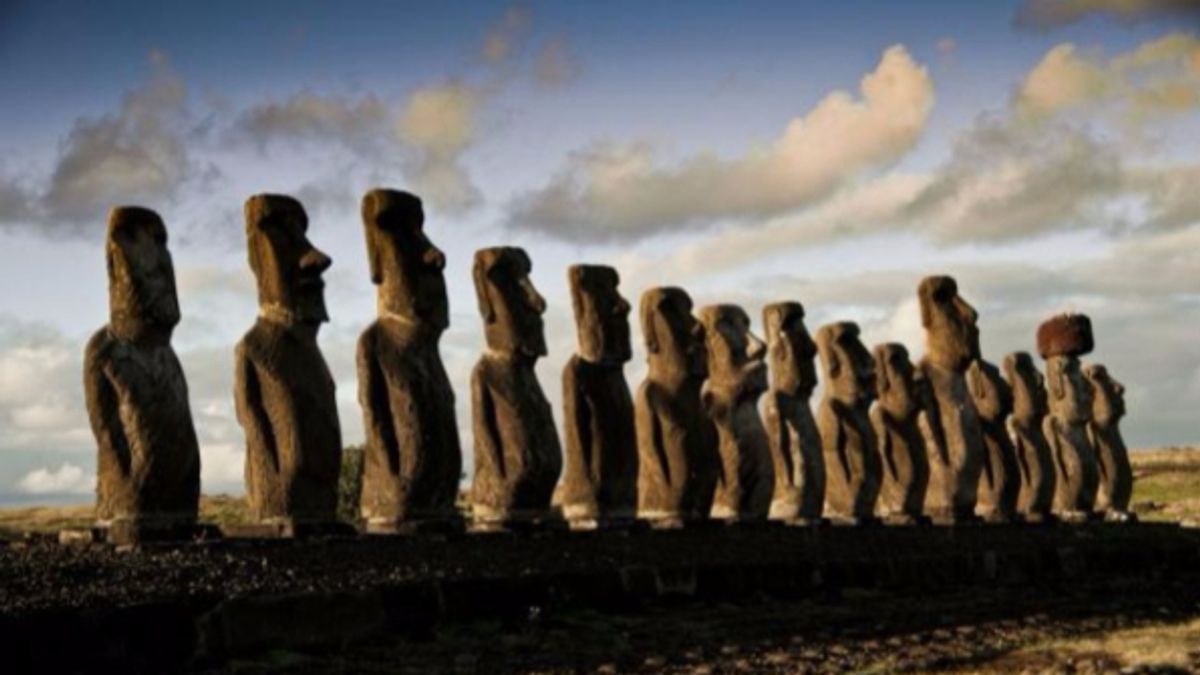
<point>213,605</point>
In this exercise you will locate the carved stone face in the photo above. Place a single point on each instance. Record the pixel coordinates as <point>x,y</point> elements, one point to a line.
<point>509,304</point>
<point>1108,404</point>
<point>790,348</point>
<point>601,314</point>
<point>1028,388</point>
<point>141,277</point>
<point>849,369</point>
<point>736,357</point>
<point>674,338</point>
<point>894,380</point>
<point>1070,394</point>
<point>285,263</point>
<point>951,333</point>
<point>405,265</point>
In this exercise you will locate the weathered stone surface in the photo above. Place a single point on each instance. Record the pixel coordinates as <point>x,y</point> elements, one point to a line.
<point>282,386</point>
<point>1000,482</point>
<point>1065,335</point>
<point>678,462</point>
<point>517,455</point>
<point>1116,475</point>
<point>1070,398</point>
<point>853,472</point>
<point>600,480</point>
<point>897,416</point>
<point>791,428</point>
<point>1036,496</point>
<point>955,438</point>
<point>737,377</point>
<point>413,461</point>
<point>148,460</point>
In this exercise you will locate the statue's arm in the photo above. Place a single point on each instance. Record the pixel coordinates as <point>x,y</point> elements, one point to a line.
<point>577,421</point>
<point>373,399</point>
<point>103,407</point>
<point>651,443</point>
<point>488,448</point>
<point>251,412</point>
<point>884,440</point>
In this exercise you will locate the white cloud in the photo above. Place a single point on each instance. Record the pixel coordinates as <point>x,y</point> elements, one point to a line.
<point>618,191</point>
<point>1158,76</point>
<point>66,479</point>
<point>506,35</point>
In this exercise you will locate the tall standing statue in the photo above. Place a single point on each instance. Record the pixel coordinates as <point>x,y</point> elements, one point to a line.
<point>737,377</point>
<point>148,461</point>
<point>282,386</point>
<point>791,428</point>
<point>600,482</point>
<point>1061,340</point>
<point>1000,482</point>
<point>517,455</point>
<point>897,416</point>
<point>852,467</point>
<point>412,460</point>
<point>1036,497</point>
<point>955,438</point>
<point>678,463</point>
<point>1116,475</point>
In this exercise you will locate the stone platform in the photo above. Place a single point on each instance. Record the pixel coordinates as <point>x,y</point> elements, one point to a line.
<point>158,607</point>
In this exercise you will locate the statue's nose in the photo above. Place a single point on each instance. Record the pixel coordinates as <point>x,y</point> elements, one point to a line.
<point>314,261</point>
<point>434,258</point>
<point>755,348</point>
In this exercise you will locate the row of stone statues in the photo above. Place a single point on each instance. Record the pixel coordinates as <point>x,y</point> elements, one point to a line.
<point>947,438</point>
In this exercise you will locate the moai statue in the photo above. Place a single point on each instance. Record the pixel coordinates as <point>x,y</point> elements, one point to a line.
<point>1061,340</point>
<point>737,377</point>
<point>1116,476</point>
<point>954,436</point>
<point>791,428</point>
<point>852,466</point>
<point>412,460</point>
<point>282,386</point>
<point>678,462</point>
<point>896,417</point>
<point>1036,497</point>
<point>1000,482</point>
<point>517,455</point>
<point>600,482</point>
<point>148,463</point>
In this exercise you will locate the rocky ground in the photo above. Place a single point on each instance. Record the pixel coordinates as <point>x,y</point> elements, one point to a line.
<point>1037,630</point>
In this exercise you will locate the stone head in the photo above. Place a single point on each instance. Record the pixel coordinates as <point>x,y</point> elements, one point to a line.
<point>404,264</point>
<point>951,333</point>
<point>141,278</point>
<point>894,386</point>
<point>508,302</point>
<point>790,349</point>
<point>1028,388</point>
<point>1108,395</point>
<point>601,314</point>
<point>736,356</point>
<point>674,338</point>
<point>286,265</point>
<point>849,370</point>
<point>1068,392</point>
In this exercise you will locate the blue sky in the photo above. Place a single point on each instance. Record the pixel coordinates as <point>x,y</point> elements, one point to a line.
<point>1041,150</point>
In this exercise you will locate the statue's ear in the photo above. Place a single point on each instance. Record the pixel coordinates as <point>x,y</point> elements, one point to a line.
<point>649,332</point>
<point>833,362</point>
<point>479,274</point>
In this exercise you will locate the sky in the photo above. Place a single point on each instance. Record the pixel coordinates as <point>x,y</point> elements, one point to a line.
<point>1044,152</point>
